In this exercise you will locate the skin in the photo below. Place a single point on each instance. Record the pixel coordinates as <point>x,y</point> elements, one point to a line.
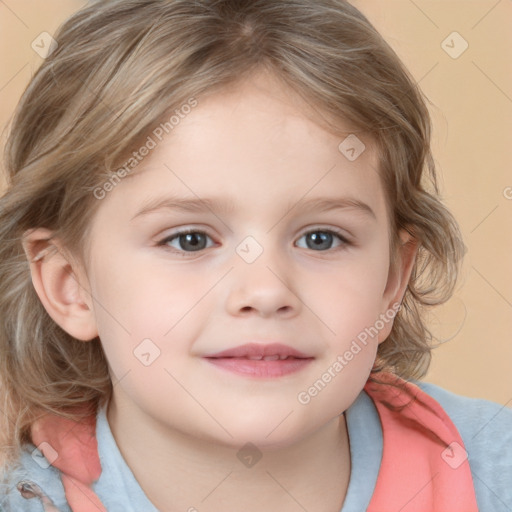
<point>180,421</point>
<point>29,490</point>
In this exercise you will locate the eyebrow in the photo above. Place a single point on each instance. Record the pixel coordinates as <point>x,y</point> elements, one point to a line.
<point>227,206</point>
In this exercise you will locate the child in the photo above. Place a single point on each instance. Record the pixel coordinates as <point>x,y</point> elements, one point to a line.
<point>275,367</point>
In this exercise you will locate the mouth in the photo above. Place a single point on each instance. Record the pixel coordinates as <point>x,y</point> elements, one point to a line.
<point>260,361</point>
<point>261,351</point>
<point>275,357</point>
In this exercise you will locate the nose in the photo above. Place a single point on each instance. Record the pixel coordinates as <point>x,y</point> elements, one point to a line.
<point>264,287</point>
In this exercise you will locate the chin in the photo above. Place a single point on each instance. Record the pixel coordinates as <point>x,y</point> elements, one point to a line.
<point>264,433</point>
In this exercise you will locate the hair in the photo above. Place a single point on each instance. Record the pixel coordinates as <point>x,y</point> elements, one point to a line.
<point>119,68</point>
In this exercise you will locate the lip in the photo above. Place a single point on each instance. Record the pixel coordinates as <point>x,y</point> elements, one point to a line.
<point>255,350</point>
<point>250,360</point>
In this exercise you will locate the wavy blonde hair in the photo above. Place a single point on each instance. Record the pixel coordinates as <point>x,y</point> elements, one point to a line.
<point>120,66</point>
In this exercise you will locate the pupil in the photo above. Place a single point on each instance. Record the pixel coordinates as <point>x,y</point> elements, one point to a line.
<point>192,239</point>
<point>319,240</point>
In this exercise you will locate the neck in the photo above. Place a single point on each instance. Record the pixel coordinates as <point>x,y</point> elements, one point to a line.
<point>178,472</point>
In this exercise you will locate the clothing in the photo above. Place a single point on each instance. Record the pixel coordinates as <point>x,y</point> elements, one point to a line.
<point>485,432</point>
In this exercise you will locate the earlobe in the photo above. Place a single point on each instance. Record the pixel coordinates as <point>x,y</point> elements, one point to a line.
<point>60,284</point>
<point>398,280</point>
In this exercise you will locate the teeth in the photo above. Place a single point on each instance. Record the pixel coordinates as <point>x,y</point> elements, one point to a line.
<point>275,357</point>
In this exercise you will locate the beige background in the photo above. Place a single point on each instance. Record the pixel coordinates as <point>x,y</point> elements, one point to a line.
<point>471,97</point>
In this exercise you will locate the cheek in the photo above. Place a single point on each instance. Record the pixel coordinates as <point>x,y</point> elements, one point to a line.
<point>352,298</point>
<point>141,293</point>
<point>141,310</point>
<point>350,303</point>
<point>350,307</point>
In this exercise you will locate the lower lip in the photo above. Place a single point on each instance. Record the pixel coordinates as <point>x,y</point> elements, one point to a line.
<point>260,368</point>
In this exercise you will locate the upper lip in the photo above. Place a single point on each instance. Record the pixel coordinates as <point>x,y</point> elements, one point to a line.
<point>261,350</point>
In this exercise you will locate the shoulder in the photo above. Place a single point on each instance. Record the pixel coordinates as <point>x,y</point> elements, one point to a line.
<point>476,419</point>
<point>38,478</point>
<point>486,430</point>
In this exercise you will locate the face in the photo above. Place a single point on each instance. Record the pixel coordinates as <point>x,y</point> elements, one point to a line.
<point>264,258</point>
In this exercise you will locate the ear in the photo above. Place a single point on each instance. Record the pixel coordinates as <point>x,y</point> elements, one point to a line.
<point>60,283</point>
<point>398,279</point>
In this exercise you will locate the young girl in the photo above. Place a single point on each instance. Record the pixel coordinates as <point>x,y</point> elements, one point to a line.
<point>221,231</point>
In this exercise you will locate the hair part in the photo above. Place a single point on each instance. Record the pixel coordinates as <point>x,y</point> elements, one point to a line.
<point>121,66</point>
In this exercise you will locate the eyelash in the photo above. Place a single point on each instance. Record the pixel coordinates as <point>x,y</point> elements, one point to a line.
<point>163,243</point>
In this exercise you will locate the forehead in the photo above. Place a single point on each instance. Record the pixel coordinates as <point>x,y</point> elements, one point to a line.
<point>257,141</point>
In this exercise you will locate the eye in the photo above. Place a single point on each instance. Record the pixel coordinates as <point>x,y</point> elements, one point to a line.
<point>322,239</point>
<point>191,240</point>
<point>186,241</point>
